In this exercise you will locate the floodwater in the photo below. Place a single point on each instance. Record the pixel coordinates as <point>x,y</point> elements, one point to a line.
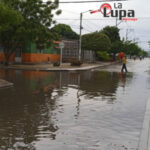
<point>100,109</point>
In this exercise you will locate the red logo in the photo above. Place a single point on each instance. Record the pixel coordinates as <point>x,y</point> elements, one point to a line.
<point>106,5</point>
<point>108,8</point>
<point>117,12</point>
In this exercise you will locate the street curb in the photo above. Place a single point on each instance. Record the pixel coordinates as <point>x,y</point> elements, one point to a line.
<point>144,142</point>
<point>5,84</point>
<point>61,69</point>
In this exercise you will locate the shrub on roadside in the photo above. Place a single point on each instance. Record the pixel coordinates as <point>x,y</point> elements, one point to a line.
<point>76,63</point>
<point>56,64</point>
<point>103,55</point>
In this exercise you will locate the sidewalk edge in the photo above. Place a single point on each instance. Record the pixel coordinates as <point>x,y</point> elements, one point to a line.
<point>144,142</point>
<point>62,69</point>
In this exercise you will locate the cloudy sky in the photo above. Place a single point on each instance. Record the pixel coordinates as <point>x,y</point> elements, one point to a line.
<point>138,31</point>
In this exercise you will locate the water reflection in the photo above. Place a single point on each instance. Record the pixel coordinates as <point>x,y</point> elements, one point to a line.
<point>25,110</point>
<point>99,83</point>
<point>32,110</point>
<point>124,78</point>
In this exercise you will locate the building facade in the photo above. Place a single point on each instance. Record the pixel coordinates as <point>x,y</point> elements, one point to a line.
<point>29,53</point>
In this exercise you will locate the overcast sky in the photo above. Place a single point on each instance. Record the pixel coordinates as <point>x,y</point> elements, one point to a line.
<point>133,30</point>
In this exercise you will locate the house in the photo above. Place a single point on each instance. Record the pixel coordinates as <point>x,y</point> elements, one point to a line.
<point>29,53</point>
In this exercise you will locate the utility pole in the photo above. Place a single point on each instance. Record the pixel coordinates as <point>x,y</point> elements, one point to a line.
<point>128,31</point>
<point>126,34</point>
<point>116,22</point>
<point>149,43</point>
<point>80,40</point>
<point>61,46</point>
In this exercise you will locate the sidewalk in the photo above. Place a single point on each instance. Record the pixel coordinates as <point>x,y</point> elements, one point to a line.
<point>4,83</point>
<point>144,142</point>
<point>63,67</point>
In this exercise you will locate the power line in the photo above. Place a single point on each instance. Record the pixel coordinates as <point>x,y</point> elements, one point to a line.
<point>82,19</point>
<point>88,27</point>
<point>97,26</point>
<point>95,1</point>
<point>64,10</point>
<point>96,19</point>
<point>87,30</point>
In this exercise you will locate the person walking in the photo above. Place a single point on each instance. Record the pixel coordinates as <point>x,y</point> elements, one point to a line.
<point>124,61</point>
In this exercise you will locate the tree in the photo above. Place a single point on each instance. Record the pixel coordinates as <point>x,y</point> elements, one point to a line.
<point>64,31</point>
<point>37,18</point>
<point>10,29</point>
<point>96,41</point>
<point>116,47</point>
<point>112,32</point>
<point>131,48</point>
<point>145,53</point>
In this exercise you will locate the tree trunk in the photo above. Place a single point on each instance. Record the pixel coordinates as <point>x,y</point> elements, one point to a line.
<point>7,55</point>
<point>114,57</point>
<point>6,60</point>
<point>8,52</point>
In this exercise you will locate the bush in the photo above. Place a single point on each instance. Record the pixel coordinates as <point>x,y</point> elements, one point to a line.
<point>103,55</point>
<point>56,64</point>
<point>76,63</point>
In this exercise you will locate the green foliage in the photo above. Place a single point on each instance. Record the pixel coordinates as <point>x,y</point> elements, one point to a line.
<point>112,32</point>
<point>108,40</point>
<point>9,17</point>
<point>10,29</point>
<point>103,55</point>
<point>34,19</point>
<point>131,48</point>
<point>35,11</point>
<point>64,31</point>
<point>145,53</point>
<point>96,41</point>
<point>116,47</point>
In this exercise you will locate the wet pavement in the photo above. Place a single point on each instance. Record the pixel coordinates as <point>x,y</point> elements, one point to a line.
<point>100,109</point>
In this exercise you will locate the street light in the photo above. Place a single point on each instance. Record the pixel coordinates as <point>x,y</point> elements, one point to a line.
<point>80,39</point>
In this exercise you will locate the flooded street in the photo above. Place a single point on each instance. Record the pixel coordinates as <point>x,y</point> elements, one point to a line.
<point>100,109</point>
